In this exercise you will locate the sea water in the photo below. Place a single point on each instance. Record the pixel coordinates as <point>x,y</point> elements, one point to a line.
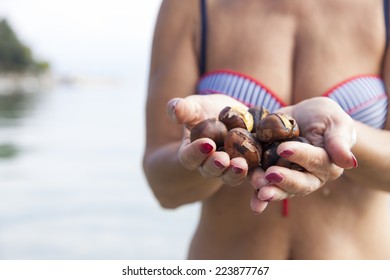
<point>71,179</point>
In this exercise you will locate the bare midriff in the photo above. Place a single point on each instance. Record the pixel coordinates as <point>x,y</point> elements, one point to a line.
<point>337,221</point>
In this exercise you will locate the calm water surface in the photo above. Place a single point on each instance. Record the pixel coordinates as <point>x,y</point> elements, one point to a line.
<point>71,182</point>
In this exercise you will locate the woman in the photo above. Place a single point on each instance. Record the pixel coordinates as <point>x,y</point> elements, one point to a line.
<point>326,64</point>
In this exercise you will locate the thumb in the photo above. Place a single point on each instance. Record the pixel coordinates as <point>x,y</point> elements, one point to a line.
<point>182,111</point>
<point>338,144</point>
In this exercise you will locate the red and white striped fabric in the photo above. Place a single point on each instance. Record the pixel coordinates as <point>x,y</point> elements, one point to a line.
<point>363,97</point>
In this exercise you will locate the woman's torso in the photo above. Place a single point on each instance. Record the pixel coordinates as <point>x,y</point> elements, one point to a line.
<point>299,49</point>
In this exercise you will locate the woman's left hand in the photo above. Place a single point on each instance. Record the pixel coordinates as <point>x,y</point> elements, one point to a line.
<point>332,134</point>
<point>278,183</point>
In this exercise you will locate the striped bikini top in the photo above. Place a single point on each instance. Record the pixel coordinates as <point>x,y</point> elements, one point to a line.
<point>363,97</point>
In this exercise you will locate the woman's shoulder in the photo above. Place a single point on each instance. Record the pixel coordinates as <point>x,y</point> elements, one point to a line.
<point>178,18</point>
<point>179,9</point>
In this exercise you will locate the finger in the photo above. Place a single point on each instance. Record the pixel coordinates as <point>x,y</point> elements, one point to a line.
<point>263,188</point>
<point>291,181</point>
<point>314,159</point>
<point>257,178</point>
<point>335,131</point>
<point>273,193</point>
<point>236,173</point>
<point>192,155</point>
<point>338,143</point>
<point>171,108</point>
<point>215,164</point>
<point>339,138</point>
<point>257,205</point>
<point>183,111</point>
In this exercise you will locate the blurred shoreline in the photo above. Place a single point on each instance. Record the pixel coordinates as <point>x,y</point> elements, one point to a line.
<point>25,82</point>
<point>11,83</point>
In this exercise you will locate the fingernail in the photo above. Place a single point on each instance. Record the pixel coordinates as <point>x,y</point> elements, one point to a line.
<point>237,170</point>
<point>287,153</point>
<point>173,104</point>
<point>205,148</point>
<point>218,164</point>
<point>268,199</point>
<point>355,163</point>
<point>172,109</point>
<point>274,177</point>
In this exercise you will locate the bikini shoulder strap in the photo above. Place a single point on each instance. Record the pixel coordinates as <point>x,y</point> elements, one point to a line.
<point>386,12</point>
<point>203,38</point>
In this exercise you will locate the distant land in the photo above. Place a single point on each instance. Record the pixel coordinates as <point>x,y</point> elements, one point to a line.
<point>19,70</point>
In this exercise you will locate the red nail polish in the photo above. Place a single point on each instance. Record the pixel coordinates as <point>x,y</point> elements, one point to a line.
<point>205,148</point>
<point>237,170</point>
<point>269,199</point>
<point>355,163</point>
<point>173,104</point>
<point>274,177</point>
<point>172,110</point>
<point>218,164</point>
<point>286,153</point>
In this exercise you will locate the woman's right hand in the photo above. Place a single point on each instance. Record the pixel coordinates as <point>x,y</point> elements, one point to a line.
<point>201,154</point>
<point>331,132</point>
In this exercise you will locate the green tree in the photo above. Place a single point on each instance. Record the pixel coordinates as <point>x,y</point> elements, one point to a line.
<point>14,55</point>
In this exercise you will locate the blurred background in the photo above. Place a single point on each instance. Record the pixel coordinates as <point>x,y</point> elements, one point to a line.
<point>73,78</point>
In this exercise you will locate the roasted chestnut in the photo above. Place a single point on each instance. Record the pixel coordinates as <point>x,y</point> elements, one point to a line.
<point>209,128</point>
<point>231,133</point>
<point>236,117</point>
<point>270,156</point>
<point>276,127</point>
<point>240,142</point>
<point>258,113</point>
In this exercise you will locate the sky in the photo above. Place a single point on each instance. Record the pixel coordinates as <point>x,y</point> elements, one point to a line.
<point>85,37</point>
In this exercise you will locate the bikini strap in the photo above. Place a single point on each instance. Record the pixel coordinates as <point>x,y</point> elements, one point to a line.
<point>387,24</point>
<point>203,39</point>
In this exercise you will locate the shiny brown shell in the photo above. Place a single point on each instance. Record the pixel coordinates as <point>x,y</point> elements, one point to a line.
<point>276,127</point>
<point>258,113</point>
<point>209,128</point>
<point>236,117</point>
<point>240,142</point>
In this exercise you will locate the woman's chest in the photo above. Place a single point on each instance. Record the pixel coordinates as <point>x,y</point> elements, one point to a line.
<point>298,53</point>
<point>275,57</point>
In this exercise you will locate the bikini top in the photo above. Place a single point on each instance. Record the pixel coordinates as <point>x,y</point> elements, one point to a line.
<point>363,97</point>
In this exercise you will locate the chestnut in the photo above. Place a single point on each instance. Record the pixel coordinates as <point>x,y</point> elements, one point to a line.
<point>276,127</point>
<point>270,156</point>
<point>258,113</point>
<point>239,142</point>
<point>234,117</point>
<point>209,128</point>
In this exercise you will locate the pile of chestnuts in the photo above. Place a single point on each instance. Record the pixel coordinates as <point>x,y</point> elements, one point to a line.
<point>253,134</point>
